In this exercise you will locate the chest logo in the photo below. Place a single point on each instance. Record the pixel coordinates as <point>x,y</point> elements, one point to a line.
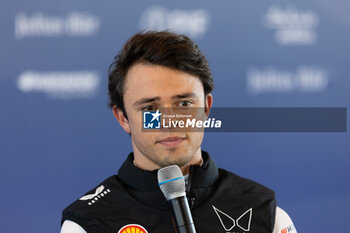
<point>134,228</point>
<point>99,193</point>
<point>228,223</point>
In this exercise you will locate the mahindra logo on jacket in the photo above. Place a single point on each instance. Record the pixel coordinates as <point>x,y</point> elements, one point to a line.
<point>228,223</point>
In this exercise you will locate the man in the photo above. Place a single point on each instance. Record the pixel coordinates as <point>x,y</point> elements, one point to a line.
<point>166,70</point>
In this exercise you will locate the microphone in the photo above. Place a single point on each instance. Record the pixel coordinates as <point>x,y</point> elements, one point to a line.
<point>172,184</point>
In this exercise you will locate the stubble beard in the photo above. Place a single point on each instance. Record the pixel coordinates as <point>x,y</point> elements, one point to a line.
<point>163,157</point>
<point>170,157</point>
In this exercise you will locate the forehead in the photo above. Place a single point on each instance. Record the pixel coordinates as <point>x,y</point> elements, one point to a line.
<point>145,80</point>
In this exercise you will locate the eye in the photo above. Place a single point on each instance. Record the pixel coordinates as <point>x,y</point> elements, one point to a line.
<point>149,108</point>
<point>185,103</point>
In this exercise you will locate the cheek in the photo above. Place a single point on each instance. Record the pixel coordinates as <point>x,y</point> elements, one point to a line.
<point>195,137</point>
<point>143,138</point>
<point>134,127</point>
<point>135,122</point>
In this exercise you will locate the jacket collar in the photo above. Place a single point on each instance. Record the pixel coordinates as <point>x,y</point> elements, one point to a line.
<point>142,180</point>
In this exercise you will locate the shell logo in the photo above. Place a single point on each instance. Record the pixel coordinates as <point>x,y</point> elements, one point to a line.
<point>132,228</point>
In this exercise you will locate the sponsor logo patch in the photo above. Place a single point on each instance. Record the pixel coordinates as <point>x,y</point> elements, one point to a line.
<point>288,229</point>
<point>228,223</point>
<point>132,228</point>
<point>99,193</point>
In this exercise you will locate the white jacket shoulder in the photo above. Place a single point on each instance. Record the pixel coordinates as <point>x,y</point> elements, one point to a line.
<point>71,227</point>
<point>283,223</point>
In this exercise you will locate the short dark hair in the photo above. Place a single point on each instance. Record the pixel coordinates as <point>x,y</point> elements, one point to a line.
<point>175,51</point>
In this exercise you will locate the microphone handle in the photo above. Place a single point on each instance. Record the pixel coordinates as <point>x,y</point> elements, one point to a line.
<point>182,215</point>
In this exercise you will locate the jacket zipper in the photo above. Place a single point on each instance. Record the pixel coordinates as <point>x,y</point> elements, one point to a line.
<point>192,201</point>
<point>191,193</point>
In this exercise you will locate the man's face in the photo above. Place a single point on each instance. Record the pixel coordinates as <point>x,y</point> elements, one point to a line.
<point>149,87</point>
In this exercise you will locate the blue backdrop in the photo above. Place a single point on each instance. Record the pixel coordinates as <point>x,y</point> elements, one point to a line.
<point>59,139</point>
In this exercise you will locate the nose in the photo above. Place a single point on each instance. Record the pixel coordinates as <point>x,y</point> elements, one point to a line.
<point>167,116</point>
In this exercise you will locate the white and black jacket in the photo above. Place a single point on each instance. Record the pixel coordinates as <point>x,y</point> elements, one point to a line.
<point>220,201</point>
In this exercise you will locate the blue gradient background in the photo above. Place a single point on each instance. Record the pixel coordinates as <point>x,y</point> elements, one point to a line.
<point>54,150</point>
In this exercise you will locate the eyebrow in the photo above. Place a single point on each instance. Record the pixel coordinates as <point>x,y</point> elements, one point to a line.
<point>157,98</point>
<point>185,95</point>
<point>145,100</point>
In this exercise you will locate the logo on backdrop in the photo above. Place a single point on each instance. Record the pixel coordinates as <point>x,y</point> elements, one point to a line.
<point>310,79</point>
<point>41,24</point>
<point>194,23</point>
<point>292,26</point>
<point>60,84</point>
<point>99,193</point>
<point>228,223</point>
<point>132,228</point>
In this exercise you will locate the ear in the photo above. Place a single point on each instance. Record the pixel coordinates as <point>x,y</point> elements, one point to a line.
<point>119,115</point>
<point>208,103</point>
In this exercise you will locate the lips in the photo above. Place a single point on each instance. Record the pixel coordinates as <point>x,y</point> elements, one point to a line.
<point>171,141</point>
